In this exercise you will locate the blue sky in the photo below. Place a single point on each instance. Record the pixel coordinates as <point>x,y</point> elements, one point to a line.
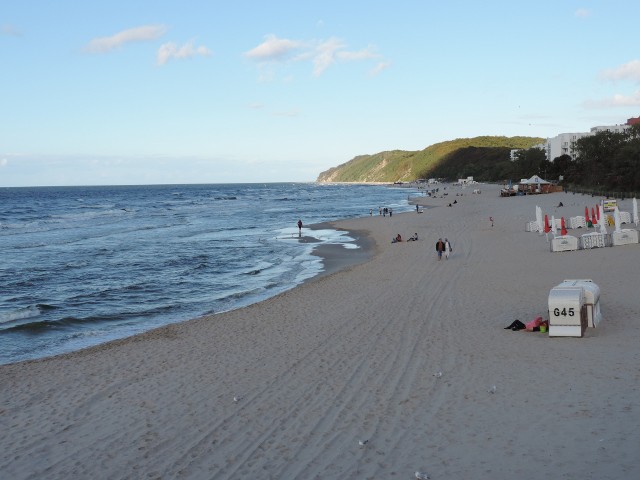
<point>140,92</point>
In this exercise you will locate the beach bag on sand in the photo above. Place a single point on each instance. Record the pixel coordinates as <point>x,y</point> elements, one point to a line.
<point>533,324</point>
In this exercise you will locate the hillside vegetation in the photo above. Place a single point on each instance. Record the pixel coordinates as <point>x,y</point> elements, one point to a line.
<point>453,159</point>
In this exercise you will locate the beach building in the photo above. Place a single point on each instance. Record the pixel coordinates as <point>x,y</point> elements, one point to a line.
<point>466,181</point>
<point>610,128</point>
<point>563,143</point>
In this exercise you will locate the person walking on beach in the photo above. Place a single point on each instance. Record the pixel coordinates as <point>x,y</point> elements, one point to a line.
<point>299,228</point>
<point>439,248</point>
<point>447,248</point>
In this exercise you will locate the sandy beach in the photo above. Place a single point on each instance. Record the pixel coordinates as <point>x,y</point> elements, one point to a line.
<point>355,355</point>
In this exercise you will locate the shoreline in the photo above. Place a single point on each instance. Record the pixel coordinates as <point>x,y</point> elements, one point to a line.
<point>336,257</point>
<point>354,355</point>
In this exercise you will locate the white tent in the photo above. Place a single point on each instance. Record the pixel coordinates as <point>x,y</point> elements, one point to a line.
<point>535,180</point>
<point>534,184</point>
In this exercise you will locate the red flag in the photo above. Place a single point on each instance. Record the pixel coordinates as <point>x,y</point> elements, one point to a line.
<point>563,229</point>
<point>586,215</point>
<point>547,227</point>
<point>597,212</point>
<point>593,216</point>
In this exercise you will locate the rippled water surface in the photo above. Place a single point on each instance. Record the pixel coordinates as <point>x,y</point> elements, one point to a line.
<point>83,265</point>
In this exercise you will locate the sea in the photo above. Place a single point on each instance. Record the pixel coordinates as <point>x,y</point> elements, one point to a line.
<point>80,266</point>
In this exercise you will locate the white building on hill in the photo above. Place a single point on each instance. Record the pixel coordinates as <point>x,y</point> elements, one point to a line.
<point>563,144</point>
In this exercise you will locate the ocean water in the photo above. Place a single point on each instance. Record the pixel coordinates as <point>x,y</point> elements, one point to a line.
<point>81,266</point>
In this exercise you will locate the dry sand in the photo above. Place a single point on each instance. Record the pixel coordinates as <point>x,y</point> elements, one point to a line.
<point>352,356</point>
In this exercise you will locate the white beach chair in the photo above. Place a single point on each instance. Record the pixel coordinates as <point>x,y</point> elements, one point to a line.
<point>531,226</point>
<point>593,240</point>
<point>564,243</point>
<point>626,236</point>
<point>625,217</point>
<point>577,222</point>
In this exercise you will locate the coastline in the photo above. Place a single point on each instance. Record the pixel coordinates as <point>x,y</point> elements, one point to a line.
<point>337,257</point>
<point>353,355</point>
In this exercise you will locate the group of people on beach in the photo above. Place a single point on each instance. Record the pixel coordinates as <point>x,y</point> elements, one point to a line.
<point>398,238</point>
<point>443,246</point>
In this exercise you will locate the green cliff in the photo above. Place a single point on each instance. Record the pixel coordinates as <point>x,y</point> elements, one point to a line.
<point>451,158</point>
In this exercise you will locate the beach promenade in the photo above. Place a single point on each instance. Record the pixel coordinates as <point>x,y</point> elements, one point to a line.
<point>403,351</point>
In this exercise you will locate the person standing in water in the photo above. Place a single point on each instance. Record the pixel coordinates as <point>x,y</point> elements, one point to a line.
<point>299,228</point>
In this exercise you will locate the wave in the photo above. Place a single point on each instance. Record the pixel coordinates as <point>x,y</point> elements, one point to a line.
<point>43,326</point>
<point>243,294</point>
<point>78,217</point>
<point>26,312</point>
<point>77,264</point>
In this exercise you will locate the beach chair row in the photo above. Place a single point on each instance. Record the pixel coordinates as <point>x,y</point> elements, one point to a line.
<point>563,243</point>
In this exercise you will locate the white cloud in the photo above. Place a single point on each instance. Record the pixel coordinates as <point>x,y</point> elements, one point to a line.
<point>322,54</point>
<point>379,68</point>
<point>273,49</point>
<point>627,71</point>
<point>618,100</point>
<point>170,50</point>
<point>582,13</point>
<point>138,34</point>
<point>364,54</point>
<point>325,55</point>
<point>4,162</point>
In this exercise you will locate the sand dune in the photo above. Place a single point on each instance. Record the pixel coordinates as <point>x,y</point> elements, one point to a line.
<point>354,356</point>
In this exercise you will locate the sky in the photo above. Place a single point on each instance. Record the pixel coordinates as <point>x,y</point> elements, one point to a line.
<point>153,92</point>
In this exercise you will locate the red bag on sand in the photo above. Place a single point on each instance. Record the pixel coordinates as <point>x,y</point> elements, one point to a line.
<point>533,324</point>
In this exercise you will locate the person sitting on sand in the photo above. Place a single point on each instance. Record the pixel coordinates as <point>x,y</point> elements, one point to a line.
<point>413,238</point>
<point>397,239</point>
